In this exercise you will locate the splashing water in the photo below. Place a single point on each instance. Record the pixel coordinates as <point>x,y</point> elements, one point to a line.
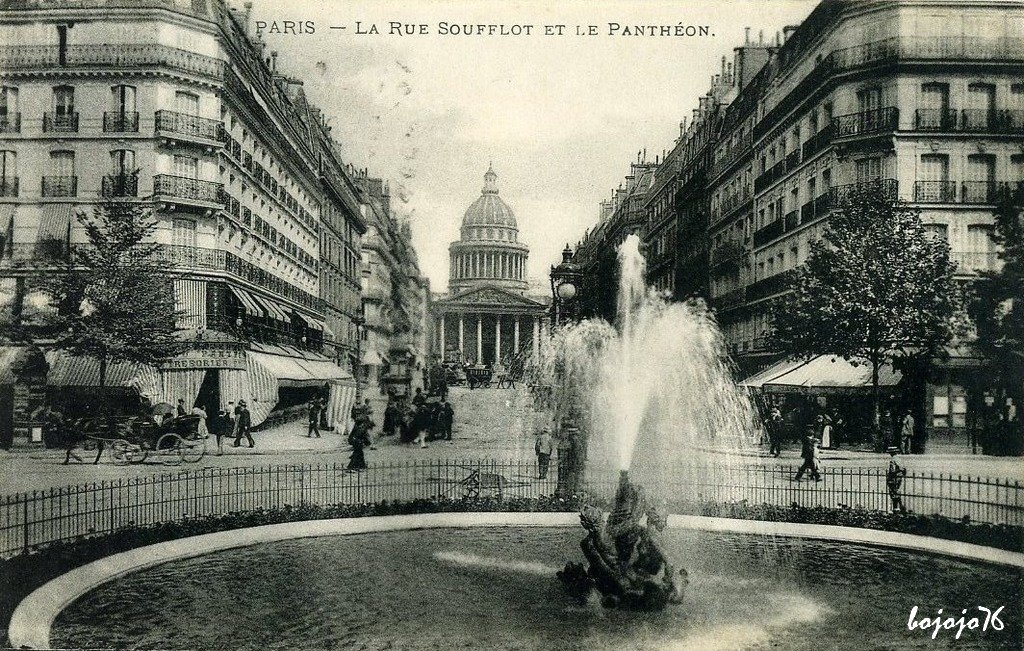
<point>656,393</point>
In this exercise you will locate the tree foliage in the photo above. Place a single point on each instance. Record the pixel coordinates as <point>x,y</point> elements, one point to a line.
<point>998,307</point>
<point>114,298</point>
<point>876,289</point>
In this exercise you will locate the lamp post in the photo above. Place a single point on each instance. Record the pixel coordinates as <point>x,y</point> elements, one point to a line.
<point>358,321</point>
<point>566,282</point>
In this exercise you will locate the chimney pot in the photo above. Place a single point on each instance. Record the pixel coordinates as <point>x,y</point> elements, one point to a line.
<point>746,37</point>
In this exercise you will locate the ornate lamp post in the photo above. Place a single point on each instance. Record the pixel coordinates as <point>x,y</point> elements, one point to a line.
<point>566,282</point>
<point>359,322</point>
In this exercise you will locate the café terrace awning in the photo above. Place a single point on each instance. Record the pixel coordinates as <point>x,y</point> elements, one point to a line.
<point>827,374</point>
<point>758,379</point>
<point>247,300</point>
<point>67,370</point>
<point>296,370</point>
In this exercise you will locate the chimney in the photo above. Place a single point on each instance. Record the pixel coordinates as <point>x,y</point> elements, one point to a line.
<point>273,61</point>
<point>746,37</point>
<point>778,39</point>
<point>760,37</point>
<point>787,31</point>
<point>723,66</point>
<point>246,13</point>
<point>696,115</point>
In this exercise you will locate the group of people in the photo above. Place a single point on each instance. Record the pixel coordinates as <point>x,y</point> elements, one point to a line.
<point>421,421</point>
<point>232,421</point>
<point>824,428</point>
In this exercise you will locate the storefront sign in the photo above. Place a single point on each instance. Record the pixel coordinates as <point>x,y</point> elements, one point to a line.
<point>207,358</point>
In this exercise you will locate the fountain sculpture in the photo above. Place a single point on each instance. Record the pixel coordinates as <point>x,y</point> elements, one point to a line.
<point>657,397</point>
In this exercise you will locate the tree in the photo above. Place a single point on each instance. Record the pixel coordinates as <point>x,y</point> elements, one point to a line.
<point>877,289</point>
<point>114,298</point>
<point>998,305</point>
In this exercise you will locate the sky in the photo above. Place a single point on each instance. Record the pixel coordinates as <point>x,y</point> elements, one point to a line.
<point>561,117</point>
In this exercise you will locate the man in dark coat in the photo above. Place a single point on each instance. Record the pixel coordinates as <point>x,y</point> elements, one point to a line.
<point>446,416</point>
<point>807,451</point>
<point>392,418</point>
<point>243,425</point>
<point>180,409</point>
<point>419,399</point>
<point>894,476</point>
<point>313,410</point>
<point>774,426</point>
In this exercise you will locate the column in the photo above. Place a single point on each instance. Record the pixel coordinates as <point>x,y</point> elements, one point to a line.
<point>515,335</point>
<point>442,336</point>
<point>462,347</point>
<point>479,338</point>
<point>536,339</point>
<point>497,339</point>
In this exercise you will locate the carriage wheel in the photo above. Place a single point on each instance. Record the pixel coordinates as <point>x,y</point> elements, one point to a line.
<point>171,449</point>
<point>193,450</point>
<point>119,452</point>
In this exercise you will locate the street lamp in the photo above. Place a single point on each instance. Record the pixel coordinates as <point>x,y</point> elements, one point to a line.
<point>358,321</point>
<point>566,282</point>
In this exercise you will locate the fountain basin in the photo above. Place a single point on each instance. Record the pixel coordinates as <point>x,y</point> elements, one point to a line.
<point>491,575</point>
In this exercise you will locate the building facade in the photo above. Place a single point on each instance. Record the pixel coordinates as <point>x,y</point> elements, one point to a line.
<point>486,318</point>
<point>177,106</point>
<point>922,100</point>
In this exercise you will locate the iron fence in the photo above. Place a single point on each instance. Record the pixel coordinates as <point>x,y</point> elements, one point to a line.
<point>32,519</point>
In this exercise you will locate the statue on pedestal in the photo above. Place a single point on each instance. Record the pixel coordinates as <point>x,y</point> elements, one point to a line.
<point>626,562</point>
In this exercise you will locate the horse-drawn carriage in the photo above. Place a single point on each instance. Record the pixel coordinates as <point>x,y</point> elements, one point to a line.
<point>133,440</point>
<point>478,376</point>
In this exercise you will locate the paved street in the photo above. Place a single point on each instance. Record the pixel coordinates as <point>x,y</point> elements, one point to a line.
<point>489,424</point>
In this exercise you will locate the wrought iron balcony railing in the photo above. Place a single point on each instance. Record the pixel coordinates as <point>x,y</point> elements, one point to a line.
<point>60,122</point>
<point>769,232</point>
<point>979,192</point>
<point>183,124</point>
<point>867,122</point>
<point>189,189</point>
<point>818,141</point>
<point>120,185</point>
<point>10,123</point>
<point>117,122</point>
<point>60,186</point>
<point>770,286</point>
<point>122,56</point>
<point>8,186</point>
<point>935,191</point>
<point>886,189</point>
<point>935,119</point>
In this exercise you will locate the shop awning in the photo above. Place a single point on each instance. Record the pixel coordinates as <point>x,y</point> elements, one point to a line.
<point>328,332</point>
<point>273,310</point>
<point>67,370</point>
<point>826,374</point>
<point>296,371</point>
<point>756,380</point>
<point>315,324</point>
<point>55,222</point>
<point>371,358</point>
<point>247,301</point>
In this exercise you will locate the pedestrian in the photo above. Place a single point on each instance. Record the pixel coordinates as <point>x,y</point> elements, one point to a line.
<point>229,420</point>
<point>543,446</point>
<point>809,453</point>
<point>420,424</point>
<point>202,430</point>
<point>907,431</point>
<point>825,423</point>
<point>419,399</point>
<point>894,479</point>
<point>392,418</point>
<point>243,425</point>
<point>180,409</point>
<point>447,417</point>
<point>775,425</point>
<point>367,409</point>
<point>221,425</point>
<point>313,410</point>
<point>359,439</point>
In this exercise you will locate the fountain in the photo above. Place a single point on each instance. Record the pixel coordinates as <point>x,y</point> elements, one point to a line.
<point>663,399</point>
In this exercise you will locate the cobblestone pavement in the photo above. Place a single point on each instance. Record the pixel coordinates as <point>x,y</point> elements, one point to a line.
<point>489,424</point>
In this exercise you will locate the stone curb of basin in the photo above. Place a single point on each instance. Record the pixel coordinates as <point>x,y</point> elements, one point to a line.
<point>33,618</point>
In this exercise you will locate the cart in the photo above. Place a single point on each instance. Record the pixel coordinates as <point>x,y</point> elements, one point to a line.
<point>478,376</point>
<point>172,443</point>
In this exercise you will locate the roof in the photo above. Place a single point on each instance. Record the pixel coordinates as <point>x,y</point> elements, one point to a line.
<point>829,374</point>
<point>488,209</point>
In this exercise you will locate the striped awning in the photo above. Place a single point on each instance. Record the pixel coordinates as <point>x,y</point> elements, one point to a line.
<point>826,374</point>
<point>328,332</point>
<point>55,222</point>
<point>758,379</point>
<point>316,324</point>
<point>6,217</point>
<point>272,309</point>
<point>67,370</point>
<point>247,301</point>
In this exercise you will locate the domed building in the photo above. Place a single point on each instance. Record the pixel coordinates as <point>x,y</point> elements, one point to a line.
<point>486,317</point>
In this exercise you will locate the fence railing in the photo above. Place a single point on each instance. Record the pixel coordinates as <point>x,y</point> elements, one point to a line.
<point>31,519</point>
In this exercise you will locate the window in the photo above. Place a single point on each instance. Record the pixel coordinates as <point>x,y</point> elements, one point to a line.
<point>187,103</point>
<point>869,169</point>
<point>981,106</point>
<point>62,163</point>
<point>63,101</point>
<point>184,232</point>
<point>869,99</point>
<point>937,231</point>
<point>980,183</point>
<point>934,113</point>
<point>935,167</point>
<point>8,165</point>
<point>122,99</point>
<point>8,108</point>
<point>187,166</point>
<point>122,162</point>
